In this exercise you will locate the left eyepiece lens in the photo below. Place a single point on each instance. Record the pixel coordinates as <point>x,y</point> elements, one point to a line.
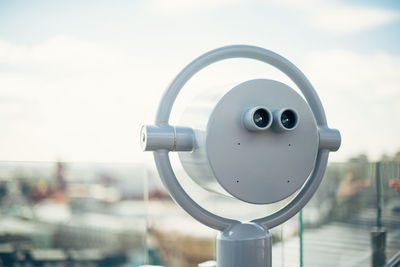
<point>261,117</point>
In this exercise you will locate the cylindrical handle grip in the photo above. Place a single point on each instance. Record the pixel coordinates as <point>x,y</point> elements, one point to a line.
<point>167,137</point>
<point>329,139</point>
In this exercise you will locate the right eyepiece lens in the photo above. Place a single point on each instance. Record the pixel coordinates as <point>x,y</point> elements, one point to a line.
<point>261,117</point>
<point>289,119</point>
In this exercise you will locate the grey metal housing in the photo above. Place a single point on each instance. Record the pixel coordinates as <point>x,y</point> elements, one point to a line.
<point>328,140</point>
<point>255,164</point>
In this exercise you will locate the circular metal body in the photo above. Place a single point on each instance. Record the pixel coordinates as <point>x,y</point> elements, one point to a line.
<point>245,163</point>
<point>162,159</point>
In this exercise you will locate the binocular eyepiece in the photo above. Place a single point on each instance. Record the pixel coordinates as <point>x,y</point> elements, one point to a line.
<point>260,118</point>
<point>257,119</point>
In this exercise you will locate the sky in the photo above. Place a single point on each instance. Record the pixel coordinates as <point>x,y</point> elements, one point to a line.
<point>79,78</point>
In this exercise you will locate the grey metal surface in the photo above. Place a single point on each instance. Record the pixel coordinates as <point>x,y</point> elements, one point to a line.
<point>164,110</point>
<point>301,199</point>
<point>183,199</point>
<point>265,166</point>
<point>239,245</point>
<point>329,138</point>
<point>244,244</point>
<point>166,137</point>
<point>240,51</point>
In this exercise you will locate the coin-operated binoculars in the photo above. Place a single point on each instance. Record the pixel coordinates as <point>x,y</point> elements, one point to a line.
<point>260,143</point>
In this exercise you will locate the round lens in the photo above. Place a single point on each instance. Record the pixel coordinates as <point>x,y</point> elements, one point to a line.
<point>288,119</point>
<point>261,118</point>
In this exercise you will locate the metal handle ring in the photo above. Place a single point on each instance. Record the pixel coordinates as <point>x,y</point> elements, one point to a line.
<point>164,110</point>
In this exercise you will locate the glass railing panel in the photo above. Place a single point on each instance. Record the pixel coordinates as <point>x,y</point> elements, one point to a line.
<point>356,207</point>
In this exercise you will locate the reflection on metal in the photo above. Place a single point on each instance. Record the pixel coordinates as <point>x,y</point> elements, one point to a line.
<point>394,261</point>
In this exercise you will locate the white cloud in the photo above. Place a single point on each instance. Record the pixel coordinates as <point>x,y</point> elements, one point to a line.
<point>74,99</point>
<point>82,100</point>
<point>60,51</point>
<point>339,17</point>
<point>85,101</point>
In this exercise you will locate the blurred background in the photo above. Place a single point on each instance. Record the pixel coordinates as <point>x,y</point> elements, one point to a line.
<point>79,78</point>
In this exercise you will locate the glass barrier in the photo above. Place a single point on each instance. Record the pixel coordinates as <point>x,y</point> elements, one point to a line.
<point>354,218</point>
<point>104,214</point>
